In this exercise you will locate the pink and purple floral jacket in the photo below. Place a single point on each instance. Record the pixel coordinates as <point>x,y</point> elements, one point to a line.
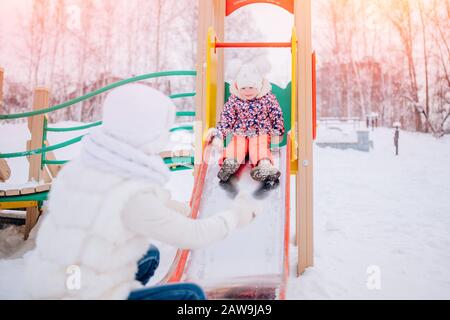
<point>262,115</point>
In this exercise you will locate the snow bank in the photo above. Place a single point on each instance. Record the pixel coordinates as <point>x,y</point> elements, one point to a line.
<point>375,209</point>
<point>11,238</point>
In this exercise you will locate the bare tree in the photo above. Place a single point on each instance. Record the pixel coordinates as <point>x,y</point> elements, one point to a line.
<point>399,14</point>
<point>36,40</point>
<point>426,67</point>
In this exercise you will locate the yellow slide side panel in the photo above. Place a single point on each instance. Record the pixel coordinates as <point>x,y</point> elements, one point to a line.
<point>17,205</point>
<point>211,80</point>
<point>294,123</point>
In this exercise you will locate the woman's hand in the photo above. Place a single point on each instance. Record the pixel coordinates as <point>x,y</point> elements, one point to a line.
<point>246,209</point>
<point>180,207</point>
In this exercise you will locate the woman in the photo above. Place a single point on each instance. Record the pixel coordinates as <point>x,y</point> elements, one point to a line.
<point>109,203</point>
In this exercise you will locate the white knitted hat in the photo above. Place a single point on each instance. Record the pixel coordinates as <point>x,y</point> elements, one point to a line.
<point>138,115</point>
<point>249,76</point>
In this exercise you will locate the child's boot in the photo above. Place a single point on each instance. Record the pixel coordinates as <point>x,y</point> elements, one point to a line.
<point>229,167</point>
<point>265,171</point>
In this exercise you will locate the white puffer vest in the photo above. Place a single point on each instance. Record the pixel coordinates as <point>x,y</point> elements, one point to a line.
<point>83,251</point>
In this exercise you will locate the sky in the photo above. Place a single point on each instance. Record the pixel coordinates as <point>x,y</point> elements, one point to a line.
<point>10,14</point>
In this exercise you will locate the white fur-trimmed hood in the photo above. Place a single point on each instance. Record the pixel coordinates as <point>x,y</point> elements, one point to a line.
<point>266,88</point>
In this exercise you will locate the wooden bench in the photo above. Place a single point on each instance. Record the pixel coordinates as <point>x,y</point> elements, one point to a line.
<point>29,199</point>
<point>21,198</point>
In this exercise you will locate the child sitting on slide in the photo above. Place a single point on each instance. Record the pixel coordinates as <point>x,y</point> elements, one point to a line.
<point>252,116</point>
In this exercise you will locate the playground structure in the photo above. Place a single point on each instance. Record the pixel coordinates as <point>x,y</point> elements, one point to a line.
<point>295,158</point>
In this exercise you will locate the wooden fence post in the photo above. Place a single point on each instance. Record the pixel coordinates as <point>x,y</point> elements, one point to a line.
<point>36,126</point>
<point>5,172</point>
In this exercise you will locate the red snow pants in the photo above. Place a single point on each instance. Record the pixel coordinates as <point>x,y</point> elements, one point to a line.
<point>258,148</point>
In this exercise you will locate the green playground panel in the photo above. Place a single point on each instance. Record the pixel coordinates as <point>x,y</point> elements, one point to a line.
<point>180,163</point>
<point>179,160</point>
<point>180,168</point>
<point>41,196</point>
<point>284,98</point>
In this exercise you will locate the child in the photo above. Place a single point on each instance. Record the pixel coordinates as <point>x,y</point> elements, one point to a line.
<point>252,116</point>
<point>109,203</point>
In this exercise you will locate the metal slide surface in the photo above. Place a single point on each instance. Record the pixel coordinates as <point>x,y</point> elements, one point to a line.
<point>250,263</point>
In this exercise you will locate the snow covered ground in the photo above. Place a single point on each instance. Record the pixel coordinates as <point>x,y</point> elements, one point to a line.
<point>375,209</point>
<point>378,218</point>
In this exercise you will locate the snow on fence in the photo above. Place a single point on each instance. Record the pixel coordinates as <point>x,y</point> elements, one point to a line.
<point>363,143</point>
<point>355,121</point>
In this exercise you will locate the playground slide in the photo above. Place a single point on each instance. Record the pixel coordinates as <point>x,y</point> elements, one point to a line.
<point>252,263</point>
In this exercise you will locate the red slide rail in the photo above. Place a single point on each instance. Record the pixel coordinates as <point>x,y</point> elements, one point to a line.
<point>177,269</point>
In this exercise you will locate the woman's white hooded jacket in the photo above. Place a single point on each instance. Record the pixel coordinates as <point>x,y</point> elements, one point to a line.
<point>97,227</point>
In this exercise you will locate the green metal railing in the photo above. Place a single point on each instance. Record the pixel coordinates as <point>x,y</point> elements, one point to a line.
<point>182,128</point>
<point>186,114</point>
<point>183,95</point>
<point>77,128</point>
<point>100,91</point>
<point>55,162</point>
<point>41,150</point>
<point>96,124</point>
<point>180,162</point>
